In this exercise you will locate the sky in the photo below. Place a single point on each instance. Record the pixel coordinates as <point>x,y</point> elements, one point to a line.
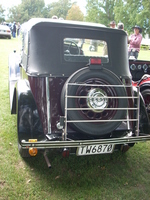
<point>9,3</point>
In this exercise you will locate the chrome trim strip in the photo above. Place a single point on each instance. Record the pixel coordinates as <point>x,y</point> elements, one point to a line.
<point>94,85</point>
<point>65,128</point>
<point>138,113</point>
<point>105,108</point>
<point>92,121</point>
<point>48,105</point>
<point>84,97</point>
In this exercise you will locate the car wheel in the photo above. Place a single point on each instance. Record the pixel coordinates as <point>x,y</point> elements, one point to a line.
<point>146,96</point>
<point>97,106</point>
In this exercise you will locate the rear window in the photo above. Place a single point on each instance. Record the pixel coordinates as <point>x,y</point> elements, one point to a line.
<point>81,50</point>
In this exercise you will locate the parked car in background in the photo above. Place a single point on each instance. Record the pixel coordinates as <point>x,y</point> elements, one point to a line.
<point>70,98</point>
<point>5,31</point>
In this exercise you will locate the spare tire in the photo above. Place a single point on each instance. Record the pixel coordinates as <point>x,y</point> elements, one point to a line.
<point>97,106</point>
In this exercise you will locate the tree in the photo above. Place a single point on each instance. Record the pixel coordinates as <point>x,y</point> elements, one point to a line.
<point>100,11</point>
<point>60,8</point>
<point>121,13</point>
<point>33,7</point>
<point>47,11</point>
<point>133,12</point>
<point>143,17</point>
<point>26,10</point>
<point>36,8</point>
<point>130,12</point>
<point>75,13</point>
<point>2,15</point>
<point>15,14</point>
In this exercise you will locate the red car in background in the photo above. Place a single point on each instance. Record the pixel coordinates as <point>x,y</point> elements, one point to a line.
<point>140,71</point>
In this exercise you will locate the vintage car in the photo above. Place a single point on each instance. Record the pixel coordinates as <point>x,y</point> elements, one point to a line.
<point>71,97</point>
<point>5,31</point>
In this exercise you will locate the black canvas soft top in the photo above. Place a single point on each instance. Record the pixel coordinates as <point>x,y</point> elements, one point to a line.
<point>43,46</point>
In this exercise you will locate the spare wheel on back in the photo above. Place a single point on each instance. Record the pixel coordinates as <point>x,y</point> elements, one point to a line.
<point>98,88</point>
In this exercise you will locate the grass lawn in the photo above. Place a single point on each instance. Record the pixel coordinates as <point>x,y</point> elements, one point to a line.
<point>144,55</point>
<point>105,177</point>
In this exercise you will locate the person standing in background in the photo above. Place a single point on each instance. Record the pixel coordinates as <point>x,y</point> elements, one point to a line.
<point>112,24</point>
<point>18,29</point>
<point>105,50</point>
<point>14,30</point>
<point>135,42</point>
<point>120,26</point>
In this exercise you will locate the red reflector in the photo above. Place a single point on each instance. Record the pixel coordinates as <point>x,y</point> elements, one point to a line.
<point>65,153</point>
<point>95,61</point>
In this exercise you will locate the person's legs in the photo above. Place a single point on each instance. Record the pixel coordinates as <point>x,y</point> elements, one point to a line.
<point>136,53</point>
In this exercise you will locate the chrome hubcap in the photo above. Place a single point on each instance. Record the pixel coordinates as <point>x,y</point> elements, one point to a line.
<point>97,100</point>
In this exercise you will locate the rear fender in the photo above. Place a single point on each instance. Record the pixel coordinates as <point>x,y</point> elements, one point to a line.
<point>28,121</point>
<point>14,69</point>
<point>14,76</point>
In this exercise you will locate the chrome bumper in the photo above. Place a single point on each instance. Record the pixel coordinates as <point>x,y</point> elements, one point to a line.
<point>80,143</point>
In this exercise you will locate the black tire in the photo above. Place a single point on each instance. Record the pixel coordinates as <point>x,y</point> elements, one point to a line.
<point>146,96</point>
<point>101,77</point>
<point>23,152</point>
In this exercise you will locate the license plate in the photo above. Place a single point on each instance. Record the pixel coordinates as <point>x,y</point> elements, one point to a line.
<point>95,149</point>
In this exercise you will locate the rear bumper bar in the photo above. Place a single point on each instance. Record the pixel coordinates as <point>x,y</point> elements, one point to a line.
<point>80,143</point>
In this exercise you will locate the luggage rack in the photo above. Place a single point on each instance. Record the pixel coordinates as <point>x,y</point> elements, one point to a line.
<point>135,118</point>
